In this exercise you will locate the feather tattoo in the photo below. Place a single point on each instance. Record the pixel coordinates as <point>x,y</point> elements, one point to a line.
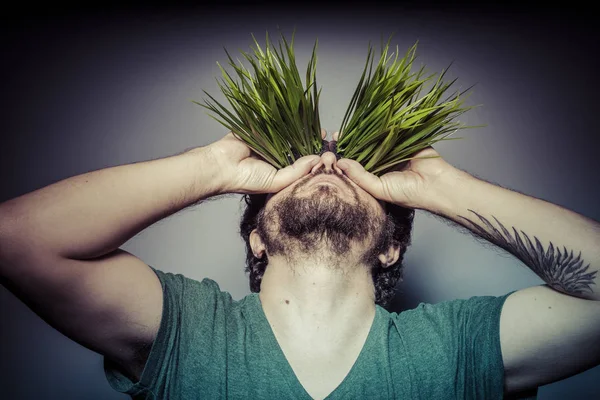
<point>561,270</point>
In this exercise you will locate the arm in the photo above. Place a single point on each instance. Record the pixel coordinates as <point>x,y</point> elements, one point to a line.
<point>559,245</point>
<point>59,245</point>
<point>548,332</point>
<point>92,214</point>
<point>59,250</point>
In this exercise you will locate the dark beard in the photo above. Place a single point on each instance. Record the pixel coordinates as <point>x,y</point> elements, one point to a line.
<point>307,223</point>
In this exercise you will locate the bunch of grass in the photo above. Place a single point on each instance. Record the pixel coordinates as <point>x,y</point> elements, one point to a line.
<point>273,111</point>
<point>385,124</point>
<point>388,121</point>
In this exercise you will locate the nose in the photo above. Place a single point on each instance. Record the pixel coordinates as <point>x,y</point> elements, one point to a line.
<point>328,162</point>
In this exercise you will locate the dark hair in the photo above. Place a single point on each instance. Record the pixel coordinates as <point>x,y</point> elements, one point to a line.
<point>384,279</point>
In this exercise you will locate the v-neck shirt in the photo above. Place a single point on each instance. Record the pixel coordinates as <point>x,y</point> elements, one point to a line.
<point>209,346</point>
<point>261,324</point>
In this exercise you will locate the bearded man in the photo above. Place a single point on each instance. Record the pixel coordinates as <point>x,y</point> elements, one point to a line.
<point>325,241</point>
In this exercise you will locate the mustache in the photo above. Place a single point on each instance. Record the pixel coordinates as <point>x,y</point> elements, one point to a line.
<point>320,171</point>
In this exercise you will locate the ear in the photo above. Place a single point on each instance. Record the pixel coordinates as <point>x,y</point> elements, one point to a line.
<point>391,256</point>
<point>257,245</point>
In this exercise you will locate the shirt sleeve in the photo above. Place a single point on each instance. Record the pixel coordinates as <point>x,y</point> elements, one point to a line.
<point>479,366</point>
<point>184,300</point>
<point>454,347</point>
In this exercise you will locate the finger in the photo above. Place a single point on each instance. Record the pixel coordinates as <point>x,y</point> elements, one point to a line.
<point>363,178</point>
<point>336,136</point>
<point>288,175</point>
<point>323,134</point>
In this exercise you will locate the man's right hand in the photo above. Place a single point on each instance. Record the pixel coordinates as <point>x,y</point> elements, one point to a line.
<point>77,278</point>
<point>242,171</point>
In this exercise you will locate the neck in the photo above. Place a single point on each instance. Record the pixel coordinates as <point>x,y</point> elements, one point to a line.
<point>317,299</point>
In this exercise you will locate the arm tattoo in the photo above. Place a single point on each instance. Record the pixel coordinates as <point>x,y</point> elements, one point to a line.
<point>560,270</point>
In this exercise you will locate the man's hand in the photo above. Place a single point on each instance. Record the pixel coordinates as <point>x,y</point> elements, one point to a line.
<point>410,186</point>
<point>245,172</point>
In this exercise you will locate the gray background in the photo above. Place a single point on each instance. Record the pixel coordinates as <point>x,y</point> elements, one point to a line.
<point>89,90</point>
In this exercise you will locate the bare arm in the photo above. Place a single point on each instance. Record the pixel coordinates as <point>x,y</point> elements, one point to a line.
<point>548,332</point>
<point>59,250</point>
<point>59,245</point>
<point>92,214</point>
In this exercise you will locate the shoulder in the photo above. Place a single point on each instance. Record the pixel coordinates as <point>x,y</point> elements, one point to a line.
<point>192,308</point>
<point>444,333</point>
<point>183,290</point>
<point>453,346</point>
<point>192,320</point>
<point>452,314</point>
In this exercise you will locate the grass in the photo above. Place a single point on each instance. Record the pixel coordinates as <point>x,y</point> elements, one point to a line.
<point>395,111</point>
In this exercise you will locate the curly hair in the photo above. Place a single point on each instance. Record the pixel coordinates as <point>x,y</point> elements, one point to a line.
<point>384,278</point>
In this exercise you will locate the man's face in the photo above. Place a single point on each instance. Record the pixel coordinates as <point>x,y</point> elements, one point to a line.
<point>322,212</point>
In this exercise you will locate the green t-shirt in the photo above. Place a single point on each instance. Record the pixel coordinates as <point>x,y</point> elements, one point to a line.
<point>210,347</point>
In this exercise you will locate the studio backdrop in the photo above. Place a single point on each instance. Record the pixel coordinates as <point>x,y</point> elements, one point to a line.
<point>89,90</point>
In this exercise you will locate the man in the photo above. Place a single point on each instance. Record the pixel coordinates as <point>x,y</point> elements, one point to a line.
<point>316,329</point>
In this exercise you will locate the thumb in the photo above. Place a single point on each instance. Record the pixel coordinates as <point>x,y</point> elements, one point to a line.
<point>366,180</point>
<point>288,175</point>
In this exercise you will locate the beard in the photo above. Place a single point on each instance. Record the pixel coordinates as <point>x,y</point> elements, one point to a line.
<point>320,222</point>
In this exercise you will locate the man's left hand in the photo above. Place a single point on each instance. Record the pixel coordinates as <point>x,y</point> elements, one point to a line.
<point>412,185</point>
